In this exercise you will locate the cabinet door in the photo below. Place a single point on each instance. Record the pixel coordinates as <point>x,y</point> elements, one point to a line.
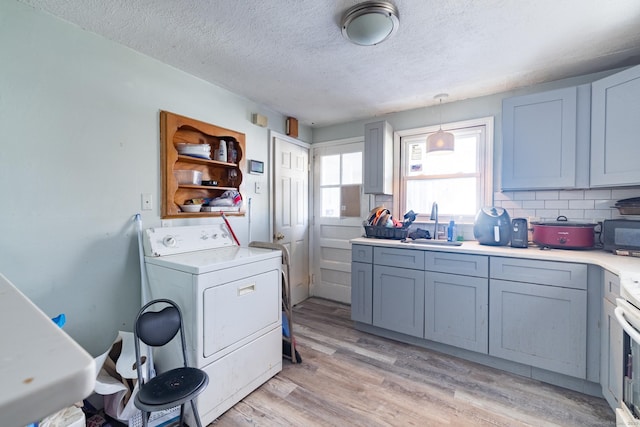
<point>378,158</point>
<point>540,139</point>
<point>615,140</point>
<point>456,311</point>
<point>611,356</point>
<point>361,292</point>
<point>398,300</point>
<point>542,326</point>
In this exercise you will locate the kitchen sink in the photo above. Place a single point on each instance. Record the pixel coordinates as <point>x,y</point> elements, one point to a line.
<point>430,242</point>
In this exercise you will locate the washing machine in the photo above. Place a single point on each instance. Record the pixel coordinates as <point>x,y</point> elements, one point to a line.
<point>230,297</point>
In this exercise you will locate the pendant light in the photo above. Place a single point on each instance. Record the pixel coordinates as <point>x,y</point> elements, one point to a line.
<point>370,23</point>
<point>440,141</point>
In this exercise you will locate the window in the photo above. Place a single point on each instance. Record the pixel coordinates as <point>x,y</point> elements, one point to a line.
<point>459,181</point>
<point>340,184</point>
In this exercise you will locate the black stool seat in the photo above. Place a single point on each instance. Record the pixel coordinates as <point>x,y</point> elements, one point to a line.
<point>170,389</point>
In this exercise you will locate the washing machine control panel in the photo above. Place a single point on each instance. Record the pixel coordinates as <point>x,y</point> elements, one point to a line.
<point>164,241</point>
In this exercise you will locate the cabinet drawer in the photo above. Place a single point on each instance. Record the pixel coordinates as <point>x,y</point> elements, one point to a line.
<point>563,274</point>
<point>407,258</point>
<point>611,286</point>
<point>362,253</point>
<point>467,265</point>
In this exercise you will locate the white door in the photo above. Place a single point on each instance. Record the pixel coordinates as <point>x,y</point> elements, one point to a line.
<point>339,207</point>
<point>291,212</point>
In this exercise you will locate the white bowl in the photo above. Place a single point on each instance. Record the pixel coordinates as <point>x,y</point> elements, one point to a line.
<point>190,208</point>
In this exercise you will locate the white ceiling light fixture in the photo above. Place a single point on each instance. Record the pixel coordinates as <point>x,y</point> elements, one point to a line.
<point>440,141</point>
<point>370,23</point>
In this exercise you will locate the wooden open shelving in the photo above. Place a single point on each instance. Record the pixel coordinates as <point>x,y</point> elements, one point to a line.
<point>176,129</point>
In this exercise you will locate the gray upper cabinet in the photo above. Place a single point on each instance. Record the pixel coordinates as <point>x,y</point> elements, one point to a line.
<point>378,158</point>
<point>545,140</point>
<point>615,140</point>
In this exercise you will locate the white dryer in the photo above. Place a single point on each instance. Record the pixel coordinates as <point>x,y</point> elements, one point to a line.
<point>231,301</point>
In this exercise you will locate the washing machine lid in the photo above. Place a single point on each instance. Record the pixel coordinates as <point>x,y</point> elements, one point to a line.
<point>205,261</point>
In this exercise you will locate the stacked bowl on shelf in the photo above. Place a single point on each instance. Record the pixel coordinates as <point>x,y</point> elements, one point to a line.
<point>202,151</point>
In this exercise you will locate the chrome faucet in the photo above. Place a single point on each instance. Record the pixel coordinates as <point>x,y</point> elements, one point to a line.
<point>434,216</point>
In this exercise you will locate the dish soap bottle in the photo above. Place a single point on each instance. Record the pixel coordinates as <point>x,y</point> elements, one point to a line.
<point>222,151</point>
<point>451,231</point>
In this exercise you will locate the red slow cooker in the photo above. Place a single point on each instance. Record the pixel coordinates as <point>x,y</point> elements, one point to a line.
<point>564,234</point>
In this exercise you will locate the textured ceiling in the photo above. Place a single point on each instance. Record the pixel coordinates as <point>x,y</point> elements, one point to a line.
<point>290,56</point>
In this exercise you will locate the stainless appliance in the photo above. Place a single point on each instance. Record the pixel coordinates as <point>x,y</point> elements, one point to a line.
<point>519,233</point>
<point>492,226</point>
<point>628,315</point>
<point>621,236</point>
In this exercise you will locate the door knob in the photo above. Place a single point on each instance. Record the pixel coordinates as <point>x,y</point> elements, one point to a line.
<point>279,236</point>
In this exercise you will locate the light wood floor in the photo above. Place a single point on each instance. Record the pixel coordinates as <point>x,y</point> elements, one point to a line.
<point>350,378</point>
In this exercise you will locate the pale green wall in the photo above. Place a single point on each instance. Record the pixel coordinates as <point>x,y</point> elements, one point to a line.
<point>79,123</point>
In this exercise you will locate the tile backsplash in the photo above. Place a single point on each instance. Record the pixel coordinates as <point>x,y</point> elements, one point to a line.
<point>589,205</point>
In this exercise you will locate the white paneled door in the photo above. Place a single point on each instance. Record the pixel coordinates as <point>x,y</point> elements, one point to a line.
<point>291,210</point>
<point>339,207</point>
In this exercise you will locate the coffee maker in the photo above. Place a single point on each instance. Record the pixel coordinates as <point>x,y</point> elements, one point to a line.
<point>519,233</point>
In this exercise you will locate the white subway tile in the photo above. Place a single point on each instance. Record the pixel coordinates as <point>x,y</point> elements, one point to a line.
<point>581,204</point>
<point>547,214</point>
<point>597,194</point>
<point>547,195</point>
<point>571,195</point>
<point>625,193</point>
<point>502,196</point>
<point>533,204</point>
<point>556,204</point>
<point>524,195</point>
<point>512,204</point>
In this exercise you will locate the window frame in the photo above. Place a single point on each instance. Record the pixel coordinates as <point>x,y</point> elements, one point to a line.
<point>485,158</point>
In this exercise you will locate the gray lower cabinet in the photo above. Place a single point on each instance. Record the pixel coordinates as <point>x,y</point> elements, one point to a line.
<point>456,310</point>
<point>362,283</point>
<point>539,320</point>
<point>611,351</point>
<point>398,299</point>
<point>361,292</point>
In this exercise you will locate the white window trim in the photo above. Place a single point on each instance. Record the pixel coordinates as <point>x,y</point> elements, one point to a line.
<point>488,122</point>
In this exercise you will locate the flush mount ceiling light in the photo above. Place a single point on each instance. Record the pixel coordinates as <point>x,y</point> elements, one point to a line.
<point>370,23</point>
<point>440,141</point>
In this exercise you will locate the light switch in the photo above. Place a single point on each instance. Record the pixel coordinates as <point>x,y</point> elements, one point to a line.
<point>258,188</point>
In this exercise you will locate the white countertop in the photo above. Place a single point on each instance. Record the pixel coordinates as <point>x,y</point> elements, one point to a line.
<point>42,369</point>
<point>627,268</point>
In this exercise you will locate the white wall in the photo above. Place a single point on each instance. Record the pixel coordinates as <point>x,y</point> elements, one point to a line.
<point>79,122</point>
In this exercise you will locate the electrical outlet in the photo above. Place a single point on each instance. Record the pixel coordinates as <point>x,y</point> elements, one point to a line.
<point>147,202</point>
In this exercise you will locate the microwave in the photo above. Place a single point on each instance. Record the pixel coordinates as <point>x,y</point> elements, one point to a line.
<point>621,234</point>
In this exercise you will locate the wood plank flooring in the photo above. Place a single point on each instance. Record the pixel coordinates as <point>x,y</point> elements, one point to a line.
<point>351,378</point>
